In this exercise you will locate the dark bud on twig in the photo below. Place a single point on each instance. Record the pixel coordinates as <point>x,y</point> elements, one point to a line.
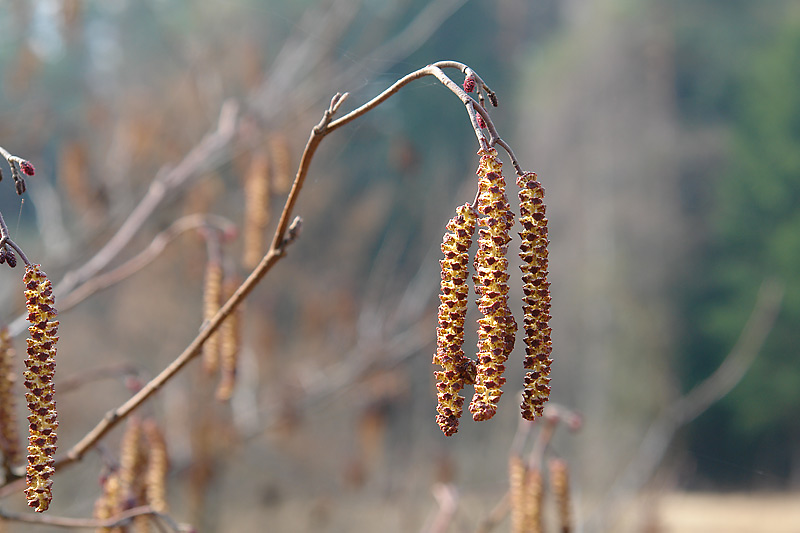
<point>11,259</point>
<point>492,98</point>
<point>19,185</point>
<point>2,255</point>
<point>1,175</point>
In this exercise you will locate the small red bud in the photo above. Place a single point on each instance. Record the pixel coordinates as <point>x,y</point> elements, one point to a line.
<point>481,123</point>
<point>469,84</point>
<point>27,168</point>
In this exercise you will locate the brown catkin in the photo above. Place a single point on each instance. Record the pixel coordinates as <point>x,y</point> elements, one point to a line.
<point>256,209</point>
<point>457,369</point>
<point>132,463</point>
<point>536,291</point>
<point>559,484</point>
<point>282,163</point>
<point>516,492</point>
<point>109,501</point>
<point>230,342</point>
<point>9,435</point>
<point>212,300</point>
<point>40,369</point>
<point>497,328</point>
<point>157,466</point>
<point>533,495</point>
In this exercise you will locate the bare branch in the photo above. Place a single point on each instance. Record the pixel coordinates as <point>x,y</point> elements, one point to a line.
<point>92,523</point>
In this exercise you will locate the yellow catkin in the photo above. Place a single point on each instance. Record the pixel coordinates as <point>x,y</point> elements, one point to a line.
<point>40,369</point>
<point>536,296</point>
<point>212,300</point>
<point>516,492</point>
<point>282,163</point>
<point>230,342</point>
<point>559,484</point>
<point>109,501</point>
<point>457,369</point>
<point>497,327</point>
<point>256,209</point>
<point>157,467</point>
<point>533,495</point>
<point>132,463</point>
<point>9,435</point>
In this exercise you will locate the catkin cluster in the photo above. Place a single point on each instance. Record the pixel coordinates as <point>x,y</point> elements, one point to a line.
<point>40,369</point>
<point>536,291</point>
<point>457,369</point>
<point>497,327</point>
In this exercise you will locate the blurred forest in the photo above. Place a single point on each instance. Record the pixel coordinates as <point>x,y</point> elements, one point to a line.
<point>667,135</point>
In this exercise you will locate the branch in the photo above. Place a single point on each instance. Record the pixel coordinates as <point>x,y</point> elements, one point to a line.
<point>166,182</point>
<point>142,259</point>
<point>123,518</point>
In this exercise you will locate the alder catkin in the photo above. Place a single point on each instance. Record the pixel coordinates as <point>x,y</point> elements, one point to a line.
<point>9,435</point>
<point>497,327</point>
<point>230,341</point>
<point>457,369</point>
<point>532,498</point>
<point>256,209</point>
<point>559,484</point>
<point>157,466</point>
<point>536,296</point>
<point>40,369</point>
<point>109,501</point>
<point>516,492</point>
<point>212,300</point>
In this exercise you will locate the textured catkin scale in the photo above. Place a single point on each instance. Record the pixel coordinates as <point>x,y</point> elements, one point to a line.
<point>457,369</point>
<point>212,299</point>
<point>132,463</point>
<point>536,296</point>
<point>497,327</point>
<point>9,436</point>
<point>40,369</point>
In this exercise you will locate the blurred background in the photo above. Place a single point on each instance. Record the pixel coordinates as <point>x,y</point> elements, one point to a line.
<point>667,135</point>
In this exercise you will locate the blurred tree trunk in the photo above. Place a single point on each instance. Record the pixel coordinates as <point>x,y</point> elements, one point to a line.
<point>600,130</point>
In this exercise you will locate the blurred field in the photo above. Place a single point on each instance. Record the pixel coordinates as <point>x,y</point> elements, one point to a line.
<point>730,513</point>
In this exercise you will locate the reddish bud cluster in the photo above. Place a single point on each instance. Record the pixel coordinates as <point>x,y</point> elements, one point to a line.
<point>27,168</point>
<point>469,84</point>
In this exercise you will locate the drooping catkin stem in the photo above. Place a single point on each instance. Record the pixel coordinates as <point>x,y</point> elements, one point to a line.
<point>532,498</point>
<point>40,370</point>
<point>9,435</point>
<point>559,484</point>
<point>457,369</point>
<point>497,328</point>
<point>536,290</point>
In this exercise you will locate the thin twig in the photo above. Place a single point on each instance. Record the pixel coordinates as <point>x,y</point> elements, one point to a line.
<point>143,258</point>
<point>166,182</point>
<point>91,523</point>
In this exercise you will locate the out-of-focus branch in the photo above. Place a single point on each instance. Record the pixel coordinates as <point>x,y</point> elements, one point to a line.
<point>121,519</point>
<point>688,407</point>
<point>143,258</point>
<point>168,180</point>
